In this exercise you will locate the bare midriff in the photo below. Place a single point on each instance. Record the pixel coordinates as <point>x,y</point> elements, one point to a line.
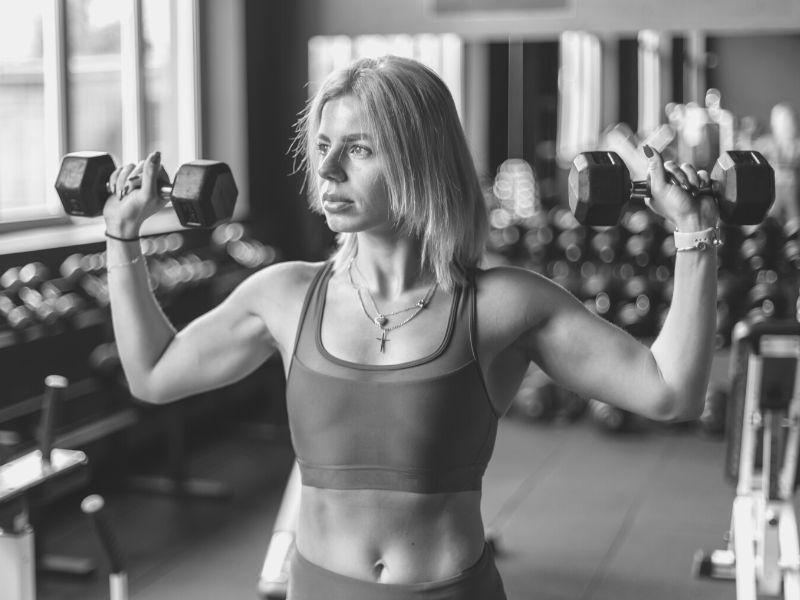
<point>390,536</point>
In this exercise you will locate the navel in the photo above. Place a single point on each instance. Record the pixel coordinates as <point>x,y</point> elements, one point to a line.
<point>378,569</point>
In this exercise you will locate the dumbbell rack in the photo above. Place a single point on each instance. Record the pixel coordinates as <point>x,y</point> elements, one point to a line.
<point>763,552</point>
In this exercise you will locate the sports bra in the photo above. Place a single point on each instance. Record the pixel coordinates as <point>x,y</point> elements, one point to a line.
<point>424,426</point>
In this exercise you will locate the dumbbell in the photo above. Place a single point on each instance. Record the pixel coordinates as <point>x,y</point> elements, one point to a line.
<point>743,182</point>
<point>203,193</point>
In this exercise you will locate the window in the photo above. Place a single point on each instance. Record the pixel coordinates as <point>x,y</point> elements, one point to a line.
<point>22,141</point>
<point>442,53</point>
<point>579,84</point>
<point>118,76</point>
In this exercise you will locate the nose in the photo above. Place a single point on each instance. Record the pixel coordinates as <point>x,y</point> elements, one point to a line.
<point>330,167</point>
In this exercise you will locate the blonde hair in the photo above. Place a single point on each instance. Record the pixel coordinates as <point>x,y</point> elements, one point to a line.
<point>434,190</point>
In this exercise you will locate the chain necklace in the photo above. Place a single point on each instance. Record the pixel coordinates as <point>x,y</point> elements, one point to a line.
<point>381,319</point>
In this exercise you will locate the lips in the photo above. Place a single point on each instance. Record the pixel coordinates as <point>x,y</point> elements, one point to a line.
<point>335,203</point>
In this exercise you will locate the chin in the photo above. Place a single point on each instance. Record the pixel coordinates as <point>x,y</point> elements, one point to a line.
<point>342,223</point>
<point>339,224</point>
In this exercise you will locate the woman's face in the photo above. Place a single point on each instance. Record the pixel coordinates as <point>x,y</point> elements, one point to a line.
<point>350,177</point>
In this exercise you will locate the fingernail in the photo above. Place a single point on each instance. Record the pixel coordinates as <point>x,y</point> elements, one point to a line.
<point>648,151</point>
<point>157,156</point>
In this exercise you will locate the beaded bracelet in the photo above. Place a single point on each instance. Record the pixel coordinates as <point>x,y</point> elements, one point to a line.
<point>124,264</point>
<point>696,240</point>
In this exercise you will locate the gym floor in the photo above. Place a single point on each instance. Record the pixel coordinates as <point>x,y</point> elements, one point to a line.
<point>581,514</point>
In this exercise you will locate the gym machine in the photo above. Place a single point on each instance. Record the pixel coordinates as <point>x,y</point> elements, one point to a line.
<point>93,506</point>
<point>763,440</point>
<point>33,477</point>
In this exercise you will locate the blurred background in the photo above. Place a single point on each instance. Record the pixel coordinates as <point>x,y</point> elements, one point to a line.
<point>535,81</point>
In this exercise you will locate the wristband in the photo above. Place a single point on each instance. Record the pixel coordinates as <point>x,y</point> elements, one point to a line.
<point>696,240</point>
<point>122,239</point>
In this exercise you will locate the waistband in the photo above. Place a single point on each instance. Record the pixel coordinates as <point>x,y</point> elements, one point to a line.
<point>308,581</point>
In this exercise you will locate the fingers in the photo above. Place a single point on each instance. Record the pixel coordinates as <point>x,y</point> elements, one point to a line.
<point>691,175</point>
<point>122,186</point>
<point>655,167</point>
<point>704,177</point>
<point>111,185</point>
<point>683,178</point>
<point>150,169</point>
<point>123,180</point>
<point>687,177</point>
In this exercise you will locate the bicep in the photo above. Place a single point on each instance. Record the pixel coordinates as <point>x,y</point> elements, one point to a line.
<point>593,357</point>
<point>216,349</point>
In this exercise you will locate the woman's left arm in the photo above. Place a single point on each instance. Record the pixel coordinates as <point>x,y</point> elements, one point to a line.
<point>668,380</point>
<point>684,348</point>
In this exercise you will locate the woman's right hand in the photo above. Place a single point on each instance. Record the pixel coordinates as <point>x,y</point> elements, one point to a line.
<point>135,196</point>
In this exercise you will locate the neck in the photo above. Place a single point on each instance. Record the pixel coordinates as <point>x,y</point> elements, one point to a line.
<point>390,268</point>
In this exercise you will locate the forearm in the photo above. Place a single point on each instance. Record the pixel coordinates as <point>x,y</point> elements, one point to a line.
<point>141,329</point>
<point>683,350</point>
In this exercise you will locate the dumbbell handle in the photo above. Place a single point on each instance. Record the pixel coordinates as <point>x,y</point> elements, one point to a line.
<point>641,189</point>
<point>55,390</point>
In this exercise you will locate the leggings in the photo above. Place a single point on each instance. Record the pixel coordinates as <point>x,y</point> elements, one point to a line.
<point>308,581</point>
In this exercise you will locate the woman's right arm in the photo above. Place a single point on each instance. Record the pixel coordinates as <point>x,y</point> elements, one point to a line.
<point>162,364</point>
<point>220,347</point>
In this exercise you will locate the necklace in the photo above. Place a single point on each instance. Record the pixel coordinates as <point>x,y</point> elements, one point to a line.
<point>381,319</point>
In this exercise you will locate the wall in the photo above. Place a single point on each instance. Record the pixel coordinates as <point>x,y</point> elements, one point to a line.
<point>223,104</point>
<point>622,16</point>
<point>277,34</point>
<point>756,72</point>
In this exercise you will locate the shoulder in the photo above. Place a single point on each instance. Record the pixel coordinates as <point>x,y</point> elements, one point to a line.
<point>276,294</point>
<point>280,284</point>
<point>514,284</point>
<point>284,277</point>
<point>511,300</point>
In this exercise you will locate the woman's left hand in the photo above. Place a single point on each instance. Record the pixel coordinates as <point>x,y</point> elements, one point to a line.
<point>672,198</point>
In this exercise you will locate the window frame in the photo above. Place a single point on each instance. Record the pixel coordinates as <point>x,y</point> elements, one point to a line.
<point>56,82</point>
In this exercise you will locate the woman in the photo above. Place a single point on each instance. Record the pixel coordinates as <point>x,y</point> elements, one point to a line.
<point>400,353</point>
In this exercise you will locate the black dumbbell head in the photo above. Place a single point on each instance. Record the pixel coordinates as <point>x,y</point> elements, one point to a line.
<point>81,182</point>
<point>204,193</point>
<point>599,187</point>
<point>745,186</point>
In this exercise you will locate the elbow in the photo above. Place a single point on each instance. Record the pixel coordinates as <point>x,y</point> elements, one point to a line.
<point>146,385</point>
<point>679,408</point>
<point>146,393</point>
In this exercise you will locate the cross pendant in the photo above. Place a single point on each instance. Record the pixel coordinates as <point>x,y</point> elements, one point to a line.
<point>383,339</point>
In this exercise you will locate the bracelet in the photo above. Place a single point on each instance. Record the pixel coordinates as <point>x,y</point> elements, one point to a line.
<point>125,264</point>
<point>696,240</point>
<point>122,239</point>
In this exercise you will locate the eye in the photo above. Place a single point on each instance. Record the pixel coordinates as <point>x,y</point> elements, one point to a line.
<point>359,151</point>
<point>323,148</point>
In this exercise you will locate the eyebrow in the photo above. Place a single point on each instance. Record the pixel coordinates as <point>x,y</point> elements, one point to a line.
<point>352,137</point>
